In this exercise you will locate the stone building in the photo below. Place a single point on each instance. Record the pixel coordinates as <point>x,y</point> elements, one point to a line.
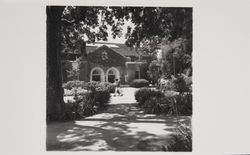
<point>106,62</point>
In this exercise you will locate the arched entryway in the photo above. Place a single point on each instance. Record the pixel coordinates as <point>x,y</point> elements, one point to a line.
<point>112,74</point>
<point>97,74</point>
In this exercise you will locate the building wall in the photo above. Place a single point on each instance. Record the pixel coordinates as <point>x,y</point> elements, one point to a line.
<point>86,67</point>
<point>127,72</point>
<point>125,65</point>
<point>132,67</point>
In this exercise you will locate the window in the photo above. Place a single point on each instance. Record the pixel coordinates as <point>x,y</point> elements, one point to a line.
<point>96,75</point>
<point>111,76</point>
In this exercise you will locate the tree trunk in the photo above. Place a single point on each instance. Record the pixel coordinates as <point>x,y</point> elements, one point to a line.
<point>54,97</point>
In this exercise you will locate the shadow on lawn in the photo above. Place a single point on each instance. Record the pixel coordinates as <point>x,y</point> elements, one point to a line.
<point>121,127</point>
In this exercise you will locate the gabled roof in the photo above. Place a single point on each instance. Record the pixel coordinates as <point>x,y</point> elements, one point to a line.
<point>119,48</point>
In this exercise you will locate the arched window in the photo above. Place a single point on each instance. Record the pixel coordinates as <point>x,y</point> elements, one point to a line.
<point>111,76</point>
<point>96,75</point>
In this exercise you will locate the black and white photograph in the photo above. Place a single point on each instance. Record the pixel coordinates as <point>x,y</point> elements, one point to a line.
<point>119,78</point>
<point>124,77</point>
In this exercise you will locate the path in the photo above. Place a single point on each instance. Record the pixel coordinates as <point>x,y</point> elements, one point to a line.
<point>121,127</point>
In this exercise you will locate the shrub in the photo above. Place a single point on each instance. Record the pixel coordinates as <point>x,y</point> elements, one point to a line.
<point>75,91</point>
<point>101,97</point>
<point>184,104</point>
<point>168,85</point>
<point>144,94</point>
<point>73,110</point>
<point>82,106</point>
<point>157,105</point>
<point>138,83</point>
<point>153,71</point>
<point>109,86</point>
<point>74,84</point>
<point>182,140</point>
<point>101,92</point>
<point>183,83</point>
<point>89,102</point>
<point>94,85</point>
<point>154,101</point>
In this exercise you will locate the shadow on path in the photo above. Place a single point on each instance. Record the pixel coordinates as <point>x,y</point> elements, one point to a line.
<point>120,127</point>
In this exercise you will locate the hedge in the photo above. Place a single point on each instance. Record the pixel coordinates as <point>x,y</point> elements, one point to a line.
<point>138,83</point>
<point>74,84</point>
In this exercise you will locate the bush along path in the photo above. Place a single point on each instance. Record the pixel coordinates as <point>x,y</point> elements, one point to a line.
<point>122,126</point>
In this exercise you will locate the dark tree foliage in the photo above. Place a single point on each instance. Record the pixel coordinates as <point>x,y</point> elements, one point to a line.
<point>153,24</point>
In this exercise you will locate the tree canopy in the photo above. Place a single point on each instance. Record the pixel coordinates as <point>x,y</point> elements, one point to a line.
<point>151,24</point>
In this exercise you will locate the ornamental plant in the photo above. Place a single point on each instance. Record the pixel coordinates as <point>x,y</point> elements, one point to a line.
<point>138,83</point>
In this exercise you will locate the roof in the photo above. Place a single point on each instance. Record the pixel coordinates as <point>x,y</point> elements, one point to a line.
<point>119,48</point>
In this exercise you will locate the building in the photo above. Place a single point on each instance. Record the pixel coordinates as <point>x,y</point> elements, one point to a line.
<point>106,62</point>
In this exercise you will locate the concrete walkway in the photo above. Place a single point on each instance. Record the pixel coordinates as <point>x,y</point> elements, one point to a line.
<point>121,127</point>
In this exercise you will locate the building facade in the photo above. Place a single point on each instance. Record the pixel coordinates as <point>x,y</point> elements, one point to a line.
<point>105,62</point>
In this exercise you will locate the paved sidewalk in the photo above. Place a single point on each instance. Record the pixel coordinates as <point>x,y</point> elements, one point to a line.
<point>121,127</point>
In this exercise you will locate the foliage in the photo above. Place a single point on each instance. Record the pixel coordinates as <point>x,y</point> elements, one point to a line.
<point>144,94</point>
<point>157,105</point>
<point>100,92</point>
<point>167,84</point>
<point>75,91</point>
<point>74,109</point>
<point>111,87</point>
<point>138,83</point>
<point>87,104</point>
<point>183,83</point>
<point>74,84</point>
<point>151,22</point>
<point>81,24</point>
<point>154,101</point>
<point>154,72</point>
<point>74,71</point>
<point>71,112</point>
<point>101,97</point>
<point>184,104</point>
<point>177,57</point>
<point>66,66</point>
<point>94,86</point>
<point>182,140</point>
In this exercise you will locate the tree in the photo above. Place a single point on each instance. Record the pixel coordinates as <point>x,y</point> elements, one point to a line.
<point>54,96</point>
<point>178,58</point>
